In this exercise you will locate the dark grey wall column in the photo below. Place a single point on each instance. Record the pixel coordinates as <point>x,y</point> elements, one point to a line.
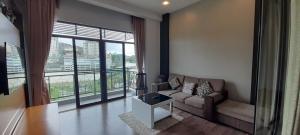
<point>164,45</point>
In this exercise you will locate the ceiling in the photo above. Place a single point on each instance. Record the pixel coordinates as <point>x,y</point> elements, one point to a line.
<point>152,9</point>
<point>156,5</point>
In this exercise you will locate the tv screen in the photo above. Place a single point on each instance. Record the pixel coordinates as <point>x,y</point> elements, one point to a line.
<point>3,72</point>
<point>15,71</point>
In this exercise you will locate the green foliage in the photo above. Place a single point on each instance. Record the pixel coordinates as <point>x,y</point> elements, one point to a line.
<point>117,60</point>
<point>131,59</point>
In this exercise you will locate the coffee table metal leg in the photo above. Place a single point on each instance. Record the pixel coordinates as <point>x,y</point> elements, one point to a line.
<point>171,107</point>
<point>152,118</point>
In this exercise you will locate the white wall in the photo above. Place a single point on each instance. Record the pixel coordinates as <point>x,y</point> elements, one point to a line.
<point>79,12</point>
<point>152,58</point>
<point>82,13</point>
<point>214,38</point>
<point>8,32</point>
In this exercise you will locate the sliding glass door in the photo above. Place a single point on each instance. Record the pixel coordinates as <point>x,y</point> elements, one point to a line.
<point>88,71</point>
<point>99,76</point>
<point>86,64</point>
<point>59,71</point>
<point>115,70</point>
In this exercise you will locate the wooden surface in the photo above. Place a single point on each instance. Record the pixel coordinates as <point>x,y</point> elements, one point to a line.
<point>11,108</point>
<point>195,125</point>
<point>39,120</point>
<point>104,119</point>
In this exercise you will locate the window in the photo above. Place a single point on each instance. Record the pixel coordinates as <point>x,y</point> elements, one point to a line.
<point>60,69</point>
<point>88,32</point>
<point>64,29</point>
<point>63,66</point>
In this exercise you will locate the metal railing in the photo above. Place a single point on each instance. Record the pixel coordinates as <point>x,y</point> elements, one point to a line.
<point>61,84</point>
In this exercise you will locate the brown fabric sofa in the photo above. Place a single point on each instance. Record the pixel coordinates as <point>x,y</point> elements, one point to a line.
<point>236,114</point>
<point>203,107</point>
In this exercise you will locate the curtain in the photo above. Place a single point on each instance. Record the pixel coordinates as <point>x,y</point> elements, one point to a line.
<point>138,25</point>
<point>291,111</point>
<point>268,66</point>
<point>39,25</point>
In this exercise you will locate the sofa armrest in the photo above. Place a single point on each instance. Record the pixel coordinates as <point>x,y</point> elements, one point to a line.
<point>225,94</point>
<point>160,86</point>
<point>210,104</point>
<point>209,108</point>
<point>216,97</point>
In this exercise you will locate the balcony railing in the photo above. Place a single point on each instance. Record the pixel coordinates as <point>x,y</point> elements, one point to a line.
<point>61,84</point>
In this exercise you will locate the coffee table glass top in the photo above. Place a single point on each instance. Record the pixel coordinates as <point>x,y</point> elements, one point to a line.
<point>153,98</point>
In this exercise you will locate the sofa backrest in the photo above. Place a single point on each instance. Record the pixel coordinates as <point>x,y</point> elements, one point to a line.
<point>191,79</point>
<point>217,84</point>
<point>180,77</point>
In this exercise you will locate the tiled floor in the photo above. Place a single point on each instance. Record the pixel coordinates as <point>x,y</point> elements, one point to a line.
<point>104,120</point>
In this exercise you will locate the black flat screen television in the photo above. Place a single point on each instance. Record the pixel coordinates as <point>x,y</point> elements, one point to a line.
<point>3,71</point>
<point>12,68</point>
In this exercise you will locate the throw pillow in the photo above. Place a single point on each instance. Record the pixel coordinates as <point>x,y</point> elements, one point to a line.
<point>204,89</point>
<point>174,83</point>
<point>188,88</point>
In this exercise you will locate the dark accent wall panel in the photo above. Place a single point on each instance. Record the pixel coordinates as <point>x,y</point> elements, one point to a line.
<point>256,50</point>
<point>164,45</point>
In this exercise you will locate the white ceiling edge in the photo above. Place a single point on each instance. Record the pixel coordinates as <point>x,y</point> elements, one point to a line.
<point>124,8</point>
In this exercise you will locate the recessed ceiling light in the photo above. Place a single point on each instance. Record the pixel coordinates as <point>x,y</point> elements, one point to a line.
<point>166,3</point>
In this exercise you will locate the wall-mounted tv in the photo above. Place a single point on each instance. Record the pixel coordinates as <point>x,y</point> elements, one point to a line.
<point>12,68</point>
<point>3,73</point>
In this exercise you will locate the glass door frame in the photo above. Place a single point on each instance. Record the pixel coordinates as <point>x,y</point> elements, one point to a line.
<point>103,77</point>
<point>103,48</point>
<point>76,80</point>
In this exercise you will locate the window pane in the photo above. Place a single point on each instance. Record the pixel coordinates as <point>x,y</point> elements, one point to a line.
<point>87,55</point>
<point>114,69</point>
<point>15,70</point>
<point>113,35</point>
<point>129,37</point>
<point>131,69</point>
<point>60,69</point>
<point>64,29</point>
<point>91,32</point>
<point>130,56</point>
<point>88,32</point>
<point>88,67</point>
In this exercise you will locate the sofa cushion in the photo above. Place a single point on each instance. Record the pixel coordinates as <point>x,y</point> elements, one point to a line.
<point>174,83</point>
<point>180,96</point>
<point>237,110</point>
<point>216,84</point>
<point>204,89</point>
<point>188,88</point>
<point>195,101</point>
<point>180,77</point>
<point>168,92</point>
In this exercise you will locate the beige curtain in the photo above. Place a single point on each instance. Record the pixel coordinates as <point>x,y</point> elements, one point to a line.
<point>39,25</point>
<point>291,112</point>
<point>265,105</point>
<point>138,25</point>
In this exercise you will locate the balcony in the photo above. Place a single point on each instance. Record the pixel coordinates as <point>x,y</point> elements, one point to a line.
<point>61,85</point>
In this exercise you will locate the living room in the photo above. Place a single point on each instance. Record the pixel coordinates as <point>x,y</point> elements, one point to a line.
<point>149,67</point>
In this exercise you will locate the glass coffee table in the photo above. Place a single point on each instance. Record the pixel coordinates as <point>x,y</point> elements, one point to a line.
<point>148,108</point>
